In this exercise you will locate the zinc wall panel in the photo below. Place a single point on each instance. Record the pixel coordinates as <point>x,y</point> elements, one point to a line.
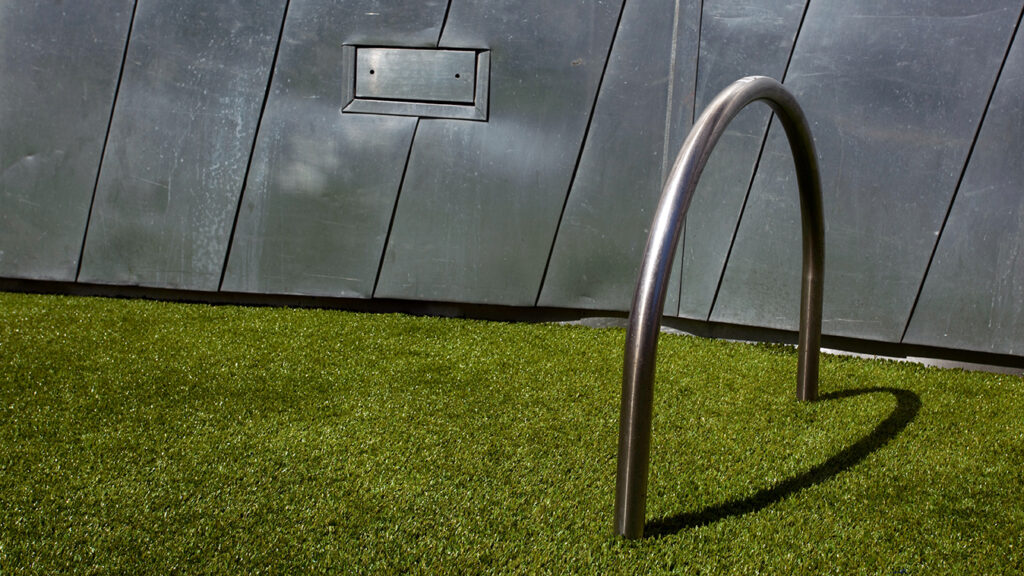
<point>644,109</point>
<point>477,214</point>
<point>318,203</point>
<point>753,37</point>
<point>194,82</point>
<point>973,297</point>
<point>59,64</point>
<point>894,93</point>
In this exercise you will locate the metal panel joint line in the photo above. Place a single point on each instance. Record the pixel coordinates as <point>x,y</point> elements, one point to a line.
<point>649,298</point>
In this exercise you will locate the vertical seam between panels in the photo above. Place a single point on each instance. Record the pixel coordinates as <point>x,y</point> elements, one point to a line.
<point>681,248</point>
<point>252,149</point>
<point>757,166</point>
<point>796,39</point>
<point>696,67</point>
<point>960,179</point>
<point>106,139</point>
<point>405,172</point>
<point>394,208</point>
<point>671,90</point>
<point>444,22</point>
<point>582,149</point>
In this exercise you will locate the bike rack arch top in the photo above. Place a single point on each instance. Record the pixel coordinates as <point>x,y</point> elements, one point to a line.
<point>649,298</point>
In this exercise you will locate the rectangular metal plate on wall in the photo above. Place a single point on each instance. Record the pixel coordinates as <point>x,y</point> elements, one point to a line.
<point>412,74</point>
<point>427,83</point>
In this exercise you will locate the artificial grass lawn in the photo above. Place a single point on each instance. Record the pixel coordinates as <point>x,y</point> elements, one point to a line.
<point>147,437</point>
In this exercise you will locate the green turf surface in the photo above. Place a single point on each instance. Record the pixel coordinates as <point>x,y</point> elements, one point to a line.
<point>154,438</point>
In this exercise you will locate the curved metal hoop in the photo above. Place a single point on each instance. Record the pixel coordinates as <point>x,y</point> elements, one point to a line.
<point>649,298</point>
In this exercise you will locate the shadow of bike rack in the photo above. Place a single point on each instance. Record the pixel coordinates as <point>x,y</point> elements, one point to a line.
<point>649,298</point>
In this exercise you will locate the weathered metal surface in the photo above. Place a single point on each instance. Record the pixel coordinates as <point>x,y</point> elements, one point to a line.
<point>894,92</point>
<point>194,83</point>
<point>322,188</point>
<point>415,74</point>
<point>481,201</point>
<point>973,297</point>
<point>59,64</point>
<point>737,39</point>
<point>404,100</point>
<point>643,112</point>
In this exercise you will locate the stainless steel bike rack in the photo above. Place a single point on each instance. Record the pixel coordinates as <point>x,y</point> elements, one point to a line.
<point>649,298</point>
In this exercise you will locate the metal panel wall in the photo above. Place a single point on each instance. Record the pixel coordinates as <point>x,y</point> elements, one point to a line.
<point>544,195</point>
<point>59,63</point>
<point>632,141</point>
<point>194,82</point>
<point>752,37</point>
<point>323,184</point>
<point>477,214</point>
<point>894,92</point>
<point>973,297</point>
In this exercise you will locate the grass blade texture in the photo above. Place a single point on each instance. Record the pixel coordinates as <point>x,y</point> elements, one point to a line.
<point>156,438</point>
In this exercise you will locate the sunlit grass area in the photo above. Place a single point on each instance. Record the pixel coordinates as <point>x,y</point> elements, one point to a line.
<point>157,438</point>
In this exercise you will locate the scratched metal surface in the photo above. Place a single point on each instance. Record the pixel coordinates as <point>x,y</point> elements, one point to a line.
<point>194,82</point>
<point>59,63</point>
<point>643,113</point>
<point>477,214</point>
<point>753,37</point>
<point>973,297</point>
<point>416,74</point>
<point>316,211</point>
<point>894,92</point>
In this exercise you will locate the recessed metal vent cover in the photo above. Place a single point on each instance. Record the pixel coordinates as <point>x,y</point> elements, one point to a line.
<point>429,83</point>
